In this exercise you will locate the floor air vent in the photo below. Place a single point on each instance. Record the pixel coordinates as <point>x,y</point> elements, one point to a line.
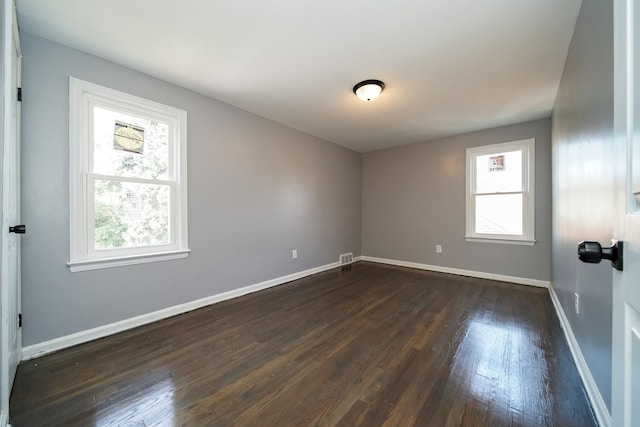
<point>346,258</point>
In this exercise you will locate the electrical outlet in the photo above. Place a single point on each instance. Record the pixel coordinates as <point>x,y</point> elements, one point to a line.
<point>294,254</point>
<point>438,249</point>
<point>576,301</point>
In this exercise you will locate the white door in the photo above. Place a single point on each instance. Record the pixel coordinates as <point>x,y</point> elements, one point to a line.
<point>626,283</point>
<point>10,338</point>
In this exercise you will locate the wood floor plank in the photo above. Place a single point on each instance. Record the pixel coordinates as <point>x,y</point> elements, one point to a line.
<point>368,345</point>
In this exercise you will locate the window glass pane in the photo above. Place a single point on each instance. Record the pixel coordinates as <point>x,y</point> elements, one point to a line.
<point>500,172</point>
<point>130,214</point>
<point>499,214</point>
<point>129,146</point>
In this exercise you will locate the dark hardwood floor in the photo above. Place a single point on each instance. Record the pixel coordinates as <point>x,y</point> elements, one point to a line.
<point>369,345</point>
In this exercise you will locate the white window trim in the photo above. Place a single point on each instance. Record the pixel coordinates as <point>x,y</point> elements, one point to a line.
<point>528,180</point>
<point>82,94</point>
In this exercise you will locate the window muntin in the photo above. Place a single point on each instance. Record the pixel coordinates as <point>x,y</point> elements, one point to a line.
<point>127,179</point>
<point>500,193</point>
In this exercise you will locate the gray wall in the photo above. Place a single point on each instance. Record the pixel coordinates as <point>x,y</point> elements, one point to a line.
<point>257,190</point>
<point>582,128</point>
<point>413,197</point>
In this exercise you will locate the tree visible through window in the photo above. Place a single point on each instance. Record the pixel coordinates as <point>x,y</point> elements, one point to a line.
<point>130,214</point>
<point>128,179</point>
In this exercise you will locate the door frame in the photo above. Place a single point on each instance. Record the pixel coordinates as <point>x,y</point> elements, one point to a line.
<point>10,351</point>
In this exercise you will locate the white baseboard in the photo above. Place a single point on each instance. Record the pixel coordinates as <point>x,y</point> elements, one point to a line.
<point>46,347</point>
<point>470,273</point>
<point>597,402</point>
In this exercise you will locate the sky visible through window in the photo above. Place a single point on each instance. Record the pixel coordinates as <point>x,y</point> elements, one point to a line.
<point>499,213</point>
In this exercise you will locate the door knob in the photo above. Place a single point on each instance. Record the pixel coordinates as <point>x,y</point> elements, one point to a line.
<point>18,229</point>
<point>593,253</point>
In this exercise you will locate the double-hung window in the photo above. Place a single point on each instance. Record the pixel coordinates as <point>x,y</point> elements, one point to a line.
<point>127,179</point>
<point>500,193</point>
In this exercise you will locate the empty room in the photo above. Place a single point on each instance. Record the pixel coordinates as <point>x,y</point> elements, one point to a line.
<point>336,213</point>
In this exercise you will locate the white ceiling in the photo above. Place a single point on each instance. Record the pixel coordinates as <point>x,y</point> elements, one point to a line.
<point>450,66</point>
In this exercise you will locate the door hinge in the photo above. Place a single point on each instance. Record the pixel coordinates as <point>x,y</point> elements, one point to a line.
<point>20,320</point>
<point>20,94</point>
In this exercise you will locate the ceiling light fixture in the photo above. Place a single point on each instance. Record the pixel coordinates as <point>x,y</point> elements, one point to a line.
<point>368,90</point>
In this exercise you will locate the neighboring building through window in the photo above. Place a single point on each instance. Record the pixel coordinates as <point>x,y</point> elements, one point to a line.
<point>500,193</point>
<point>128,179</point>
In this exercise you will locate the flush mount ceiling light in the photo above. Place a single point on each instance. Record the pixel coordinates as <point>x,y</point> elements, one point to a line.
<point>368,90</point>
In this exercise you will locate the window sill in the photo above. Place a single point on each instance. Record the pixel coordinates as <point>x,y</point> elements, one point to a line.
<point>95,264</point>
<point>522,242</point>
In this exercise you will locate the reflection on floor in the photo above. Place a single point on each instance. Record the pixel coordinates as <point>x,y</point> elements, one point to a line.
<point>371,345</point>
